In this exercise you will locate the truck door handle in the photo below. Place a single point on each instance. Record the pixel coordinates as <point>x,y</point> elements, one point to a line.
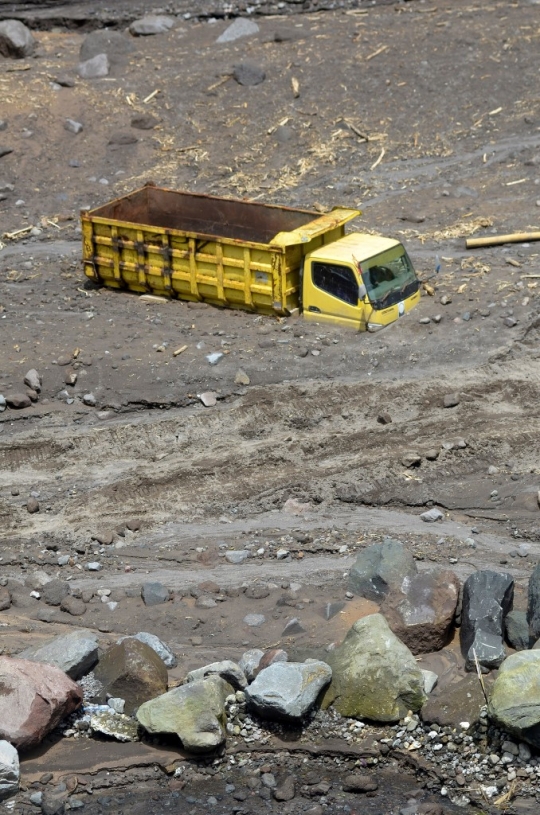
<point>314,308</point>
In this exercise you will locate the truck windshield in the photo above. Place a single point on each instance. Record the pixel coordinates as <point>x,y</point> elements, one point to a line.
<point>389,278</point>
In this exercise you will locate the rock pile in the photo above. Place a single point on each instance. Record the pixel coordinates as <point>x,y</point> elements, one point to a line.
<point>370,683</point>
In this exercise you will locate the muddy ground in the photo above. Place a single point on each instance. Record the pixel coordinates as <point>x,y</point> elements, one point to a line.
<point>447,97</point>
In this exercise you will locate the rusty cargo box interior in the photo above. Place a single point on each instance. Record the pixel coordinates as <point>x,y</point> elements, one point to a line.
<point>231,253</point>
<point>204,214</point>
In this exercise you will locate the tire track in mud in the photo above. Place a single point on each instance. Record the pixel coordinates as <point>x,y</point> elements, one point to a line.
<point>194,462</point>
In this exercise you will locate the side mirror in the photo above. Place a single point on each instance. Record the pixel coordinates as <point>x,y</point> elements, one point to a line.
<point>362,291</point>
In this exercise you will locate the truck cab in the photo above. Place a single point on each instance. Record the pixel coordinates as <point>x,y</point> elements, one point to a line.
<point>362,281</point>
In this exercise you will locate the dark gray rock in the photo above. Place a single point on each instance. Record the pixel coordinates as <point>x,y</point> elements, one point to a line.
<point>54,801</point>
<point>533,607</point>
<point>72,126</point>
<point>115,45</point>
<point>379,568</point>
<point>123,137</point>
<point>248,73</point>
<point>154,593</point>
<point>54,592</point>
<point>287,690</point>
<point>516,628</point>
<point>16,40</point>
<point>293,627</point>
<point>94,68</point>
<point>487,599</point>
<point>75,653</point>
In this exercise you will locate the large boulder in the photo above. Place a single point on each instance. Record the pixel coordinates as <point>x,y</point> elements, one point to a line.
<point>453,703</point>
<point>421,613</point>
<point>34,698</point>
<point>288,690</point>
<point>533,608</point>
<point>9,770</point>
<point>227,669</point>
<point>487,599</point>
<point>162,650</point>
<point>16,40</point>
<point>515,700</point>
<point>132,671</point>
<point>194,712</point>
<point>380,568</point>
<point>374,675</point>
<point>74,653</point>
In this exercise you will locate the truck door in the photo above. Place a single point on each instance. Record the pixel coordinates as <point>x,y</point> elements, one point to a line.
<point>330,294</point>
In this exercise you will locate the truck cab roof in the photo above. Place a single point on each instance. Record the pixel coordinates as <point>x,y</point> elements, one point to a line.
<point>360,244</point>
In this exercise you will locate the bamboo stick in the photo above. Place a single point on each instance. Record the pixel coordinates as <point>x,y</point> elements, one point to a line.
<point>497,240</point>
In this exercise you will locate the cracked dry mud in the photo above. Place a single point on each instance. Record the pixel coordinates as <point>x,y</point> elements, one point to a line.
<point>296,459</point>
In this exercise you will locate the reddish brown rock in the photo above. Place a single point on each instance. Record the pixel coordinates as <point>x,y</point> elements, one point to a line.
<point>422,612</point>
<point>132,671</point>
<point>18,401</point>
<point>34,698</point>
<point>271,656</point>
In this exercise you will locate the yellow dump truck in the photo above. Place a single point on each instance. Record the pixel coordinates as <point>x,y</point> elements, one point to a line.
<point>243,254</point>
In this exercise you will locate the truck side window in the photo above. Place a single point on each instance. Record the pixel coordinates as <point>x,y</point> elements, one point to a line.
<point>336,280</point>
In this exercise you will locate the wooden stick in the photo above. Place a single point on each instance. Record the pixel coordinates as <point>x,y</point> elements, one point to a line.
<point>497,240</point>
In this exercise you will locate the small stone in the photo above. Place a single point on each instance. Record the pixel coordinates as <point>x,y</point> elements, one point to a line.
<point>241,27</point>
<point>89,399</point>
<point>154,594</point>
<point>94,566</point>
<point>510,322</point>
<point>293,628</point>
<point>432,455</point>
<point>254,620</point>
<point>32,505</point>
<point>411,460</point>
<point>241,378</point>
<point>122,138</point>
<point>432,515</point>
<point>208,399</point>
<point>384,418</point>
<point>33,380</point>
<point>18,401</point>
<point>445,300</point>
<point>248,73</point>
<point>359,783</point>
<point>236,556</point>
<point>72,126</point>
<point>73,606</point>
<point>94,68</point>
<point>151,24</point>
<point>451,400</point>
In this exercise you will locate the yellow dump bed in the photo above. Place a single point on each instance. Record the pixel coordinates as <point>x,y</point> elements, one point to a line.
<point>223,251</point>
